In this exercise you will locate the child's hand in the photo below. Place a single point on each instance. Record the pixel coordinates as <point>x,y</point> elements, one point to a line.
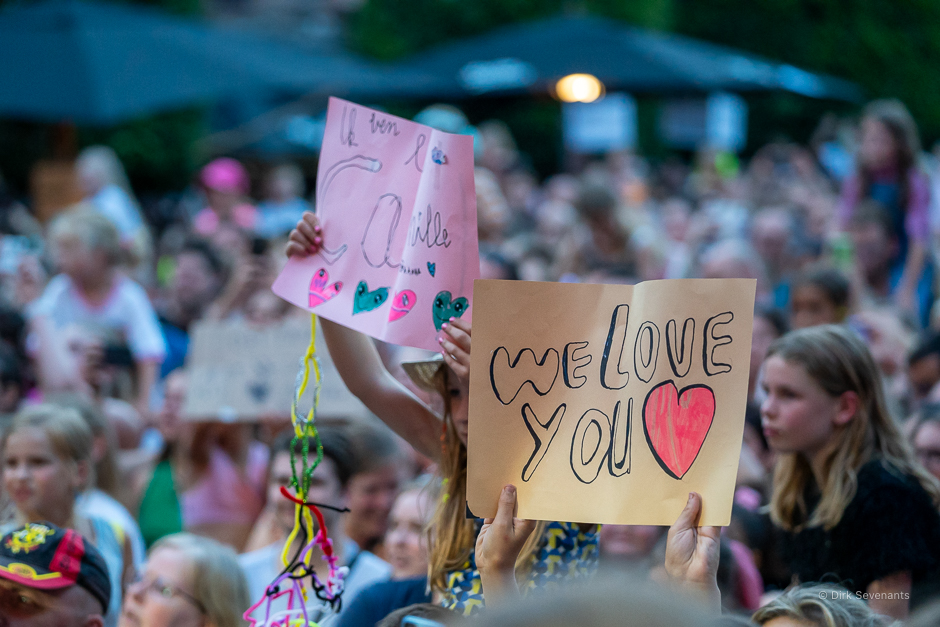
<point>498,546</point>
<point>692,551</point>
<point>455,347</point>
<point>306,237</point>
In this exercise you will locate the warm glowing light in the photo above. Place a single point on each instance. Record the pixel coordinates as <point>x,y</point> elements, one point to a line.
<point>579,88</point>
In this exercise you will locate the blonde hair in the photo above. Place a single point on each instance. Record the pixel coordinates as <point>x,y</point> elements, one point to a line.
<point>105,470</point>
<point>218,581</point>
<point>451,535</point>
<point>91,228</point>
<point>68,433</point>
<point>821,606</point>
<point>103,165</point>
<point>839,362</point>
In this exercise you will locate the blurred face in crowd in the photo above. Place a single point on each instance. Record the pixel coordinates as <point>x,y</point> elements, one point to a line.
<point>628,542</point>
<point>798,416</point>
<point>927,447</point>
<point>924,374</point>
<point>232,242</point>
<point>91,176</point>
<point>223,201</point>
<point>406,543</point>
<point>812,307</point>
<point>887,338</point>
<point>459,404</point>
<point>874,249</point>
<point>519,187</point>
<point>193,281</point>
<point>282,187</point>
<point>676,213</point>
<point>41,484</point>
<point>169,420</point>
<point>163,595</point>
<point>325,488</point>
<point>264,308</point>
<point>75,259</point>
<point>877,148</point>
<point>86,349</point>
<point>28,607</point>
<point>555,218</point>
<point>371,496</point>
<point>770,236</point>
<point>763,336</point>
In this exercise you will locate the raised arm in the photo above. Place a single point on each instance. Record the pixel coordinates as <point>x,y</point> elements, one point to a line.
<point>362,370</point>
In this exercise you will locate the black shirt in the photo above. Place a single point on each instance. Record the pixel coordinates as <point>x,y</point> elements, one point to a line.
<point>890,526</point>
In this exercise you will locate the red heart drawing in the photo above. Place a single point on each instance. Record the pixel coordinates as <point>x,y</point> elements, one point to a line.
<point>677,423</point>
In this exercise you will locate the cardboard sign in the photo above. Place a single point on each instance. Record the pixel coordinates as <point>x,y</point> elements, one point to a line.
<point>609,403</point>
<point>238,372</point>
<point>397,205</point>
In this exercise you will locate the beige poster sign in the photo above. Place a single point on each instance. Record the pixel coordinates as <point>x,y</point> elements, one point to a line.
<point>608,403</point>
<point>239,372</point>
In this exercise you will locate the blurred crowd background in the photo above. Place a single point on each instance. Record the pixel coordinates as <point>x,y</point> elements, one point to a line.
<point>833,207</point>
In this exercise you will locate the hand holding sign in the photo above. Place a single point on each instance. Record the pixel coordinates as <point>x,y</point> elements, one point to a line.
<point>692,553</point>
<point>394,250</point>
<point>498,546</point>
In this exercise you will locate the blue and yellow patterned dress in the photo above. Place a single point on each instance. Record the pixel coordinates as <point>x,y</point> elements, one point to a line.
<point>565,553</point>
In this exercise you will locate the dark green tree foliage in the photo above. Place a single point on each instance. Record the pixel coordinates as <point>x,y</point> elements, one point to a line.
<point>389,29</point>
<point>156,151</point>
<point>890,48</point>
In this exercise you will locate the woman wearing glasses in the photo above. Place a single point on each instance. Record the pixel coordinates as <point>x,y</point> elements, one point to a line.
<point>188,581</point>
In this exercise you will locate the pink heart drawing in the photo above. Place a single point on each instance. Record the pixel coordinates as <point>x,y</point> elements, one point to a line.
<point>403,302</point>
<point>320,292</point>
<point>677,423</point>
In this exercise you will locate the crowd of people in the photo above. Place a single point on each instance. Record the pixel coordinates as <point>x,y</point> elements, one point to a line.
<point>117,509</point>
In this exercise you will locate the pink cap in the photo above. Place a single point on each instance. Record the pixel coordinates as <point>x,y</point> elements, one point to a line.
<point>225,175</point>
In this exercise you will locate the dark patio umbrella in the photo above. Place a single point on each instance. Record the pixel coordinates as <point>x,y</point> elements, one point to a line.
<point>534,55</point>
<point>101,63</point>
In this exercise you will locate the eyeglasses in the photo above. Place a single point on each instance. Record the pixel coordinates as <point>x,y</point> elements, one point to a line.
<point>161,588</point>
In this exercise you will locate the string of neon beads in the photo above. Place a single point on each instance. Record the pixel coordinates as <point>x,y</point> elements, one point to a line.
<point>299,567</point>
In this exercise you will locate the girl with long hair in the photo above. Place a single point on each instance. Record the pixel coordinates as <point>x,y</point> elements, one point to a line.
<point>853,504</point>
<point>887,171</point>
<point>554,552</point>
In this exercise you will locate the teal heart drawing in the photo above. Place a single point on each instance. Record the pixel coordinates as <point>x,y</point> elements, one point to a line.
<point>444,308</point>
<point>432,268</point>
<point>365,300</point>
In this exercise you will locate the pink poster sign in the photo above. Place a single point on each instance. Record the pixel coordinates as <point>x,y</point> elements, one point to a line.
<point>397,204</point>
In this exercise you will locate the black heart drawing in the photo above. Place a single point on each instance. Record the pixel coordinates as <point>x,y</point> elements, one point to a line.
<point>259,391</point>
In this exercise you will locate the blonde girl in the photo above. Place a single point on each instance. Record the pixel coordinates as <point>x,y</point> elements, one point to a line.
<point>853,504</point>
<point>92,290</point>
<point>554,552</point>
<point>188,581</point>
<point>46,455</point>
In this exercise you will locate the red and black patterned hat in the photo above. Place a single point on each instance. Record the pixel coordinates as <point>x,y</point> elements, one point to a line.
<point>43,556</point>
